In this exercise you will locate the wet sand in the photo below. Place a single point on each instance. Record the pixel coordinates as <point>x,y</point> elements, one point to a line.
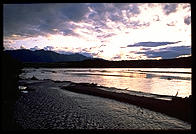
<point>46,105</point>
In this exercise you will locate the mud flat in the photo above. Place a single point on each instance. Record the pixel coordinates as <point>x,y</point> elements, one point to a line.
<point>47,104</point>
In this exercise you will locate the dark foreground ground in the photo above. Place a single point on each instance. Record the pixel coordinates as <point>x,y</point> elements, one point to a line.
<point>46,105</point>
<point>176,107</point>
<point>10,70</point>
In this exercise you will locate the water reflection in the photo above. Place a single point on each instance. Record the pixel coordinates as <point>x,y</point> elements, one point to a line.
<point>150,80</point>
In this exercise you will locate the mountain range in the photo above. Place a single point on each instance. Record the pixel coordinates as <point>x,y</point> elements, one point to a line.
<point>43,58</point>
<point>25,55</point>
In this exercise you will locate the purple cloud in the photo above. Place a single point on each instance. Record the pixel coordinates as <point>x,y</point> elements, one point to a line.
<point>151,44</point>
<point>49,48</point>
<point>35,48</point>
<point>168,53</point>
<point>41,19</point>
<point>170,8</point>
<point>117,57</point>
<point>187,20</point>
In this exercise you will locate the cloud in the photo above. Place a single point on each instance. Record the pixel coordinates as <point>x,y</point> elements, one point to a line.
<point>145,49</point>
<point>86,54</point>
<point>64,52</point>
<point>117,57</point>
<point>170,8</point>
<point>74,12</point>
<point>30,20</point>
<point>151,44</point>
<point>187,20</point>
<point>101,13</point>
<point>106,35</point>
<point>22,19</point>
<point>187,5</point>
<point>69,32</point>
<point>134,9</point>
<point>40,19</point>
<point>156,18</point>
<point>48,48</point>
<point>167,53</point>
<point>131,9</point>
<point>173,23</point>
<point>106,23</point>
<point>8,42</point>
<point>35,48</point>
<point>137,24</point>
<point>98,12</point>
<point>22,47</point>
<point>70,52</point>
<point>8,47</point>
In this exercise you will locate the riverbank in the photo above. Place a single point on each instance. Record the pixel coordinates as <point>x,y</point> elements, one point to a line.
<point>177,107</point>
<point>46,105</point>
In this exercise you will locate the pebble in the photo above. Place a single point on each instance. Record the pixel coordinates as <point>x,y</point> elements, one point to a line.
<point>52,107</point>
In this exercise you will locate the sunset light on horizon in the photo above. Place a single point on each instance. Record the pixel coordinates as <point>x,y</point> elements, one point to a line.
<point>112,31</point>
<point>97,66</point>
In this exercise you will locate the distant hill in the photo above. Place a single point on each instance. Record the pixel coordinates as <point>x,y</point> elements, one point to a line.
<point>42,58</point>
<point>25,55</point>
<point>185,62</point>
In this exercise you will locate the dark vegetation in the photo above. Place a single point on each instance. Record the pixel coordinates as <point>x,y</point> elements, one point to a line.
<point>185,62</point>
<point>9,90</point>
<point>24,55</point>
<point>177,107</point>
<point>42,58</point>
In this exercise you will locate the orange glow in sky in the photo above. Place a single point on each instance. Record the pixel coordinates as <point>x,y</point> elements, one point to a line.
<point>103,30</point>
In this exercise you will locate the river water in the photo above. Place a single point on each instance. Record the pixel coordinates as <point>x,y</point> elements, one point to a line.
<point>162,81</point>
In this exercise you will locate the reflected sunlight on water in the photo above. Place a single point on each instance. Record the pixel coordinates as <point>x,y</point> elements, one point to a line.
<point>164,81</point>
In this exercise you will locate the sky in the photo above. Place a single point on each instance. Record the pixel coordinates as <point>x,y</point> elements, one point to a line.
<point>112,31</point>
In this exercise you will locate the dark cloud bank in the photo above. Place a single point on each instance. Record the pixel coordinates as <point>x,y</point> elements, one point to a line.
<point>29,20</point>
<point>151,44</point>
<point>168,52</point>
<point>39,19</point>
<point>165,53</point>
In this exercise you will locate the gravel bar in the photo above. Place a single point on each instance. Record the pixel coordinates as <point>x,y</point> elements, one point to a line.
<point>46,106</point>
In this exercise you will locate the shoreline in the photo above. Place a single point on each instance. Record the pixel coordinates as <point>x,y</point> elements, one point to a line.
<point>174,106</point>
<point>164,84</point>
<point>45,105</point>
<point>177,107</point>
<point>99,63</point>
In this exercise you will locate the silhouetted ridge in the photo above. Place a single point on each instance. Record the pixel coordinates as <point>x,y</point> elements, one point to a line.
<point>44,56</point>
<point>177,62</point>
<point>185,62</point>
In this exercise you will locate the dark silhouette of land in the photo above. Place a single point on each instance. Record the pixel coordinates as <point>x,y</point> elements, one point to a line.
<point>38,56</point>
<point>185,62</point>
<point>11,68</point>
<point>177,107</point>
<point>42,58</point>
